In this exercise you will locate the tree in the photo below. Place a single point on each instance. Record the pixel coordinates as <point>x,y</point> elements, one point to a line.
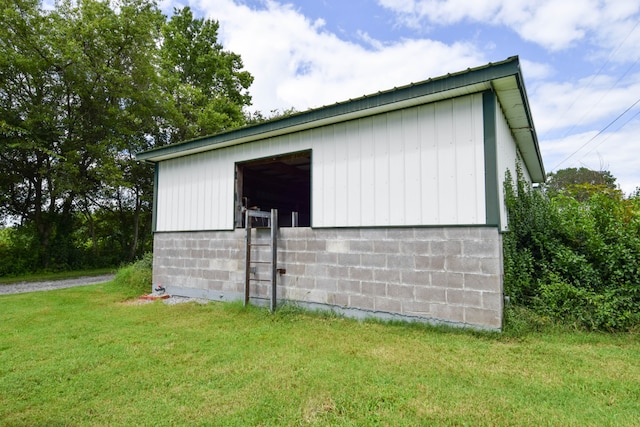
<point>74,81</point>
<point>31,96</point>
<point>580,183</point>
<point>83,88</point>
<point>575,261</point>
<point>207,84</point>
<point>258,117</point>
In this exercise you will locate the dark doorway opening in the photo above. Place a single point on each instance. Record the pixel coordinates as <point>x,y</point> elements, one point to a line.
<point>280,182</point>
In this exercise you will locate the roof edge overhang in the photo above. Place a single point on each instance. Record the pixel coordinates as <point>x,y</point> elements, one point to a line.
<point>500,77</point>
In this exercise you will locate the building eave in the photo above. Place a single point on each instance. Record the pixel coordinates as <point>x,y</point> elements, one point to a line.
<point>503,77</point>
<point>513,99</point>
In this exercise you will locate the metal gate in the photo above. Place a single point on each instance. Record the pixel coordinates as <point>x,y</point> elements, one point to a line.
<point>261,219</point>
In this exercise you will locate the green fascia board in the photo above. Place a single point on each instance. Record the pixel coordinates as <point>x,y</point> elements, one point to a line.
<point>474,80</point>
<point>491,182</point>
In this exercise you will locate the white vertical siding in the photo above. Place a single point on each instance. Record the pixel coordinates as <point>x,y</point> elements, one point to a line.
<point>381,190</point>
<point>419,166</point>
<point>323,170</point>
<point>354,141</point>
<point>470,172</point>
<point>508,158</point>
<point>342,192</point>
<point>446,153</point>
<point>412,167</point>
<point>396,168</point>
<point>430,165</point>
<point>367,171</point>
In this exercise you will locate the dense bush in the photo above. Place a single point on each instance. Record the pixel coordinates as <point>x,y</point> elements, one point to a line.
<point>100,240</point>
<point>574,259</point>
<point>135,279</point>
<point>18,253</point>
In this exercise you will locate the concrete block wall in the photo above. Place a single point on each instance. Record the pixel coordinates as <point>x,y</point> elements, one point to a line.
<point>207,264</point>
<point>447,275</point>
<point>451,275</point>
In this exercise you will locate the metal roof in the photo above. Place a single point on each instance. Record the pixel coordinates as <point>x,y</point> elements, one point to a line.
<point>504,78</point>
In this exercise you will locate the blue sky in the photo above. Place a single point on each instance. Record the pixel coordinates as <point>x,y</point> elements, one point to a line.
<point>580,60</point>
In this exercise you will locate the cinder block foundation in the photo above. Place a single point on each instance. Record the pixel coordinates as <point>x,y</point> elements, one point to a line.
<point>450,275</point>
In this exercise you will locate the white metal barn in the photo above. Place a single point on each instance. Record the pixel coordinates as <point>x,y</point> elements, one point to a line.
<point>390,205</point>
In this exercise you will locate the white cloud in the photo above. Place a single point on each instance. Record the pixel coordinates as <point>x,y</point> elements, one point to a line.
<point>610,151</point>
<point>555,25</point>
<point>167,6</point>
<point>535,70</point>
<point>300,65</point>
<point>443,12</point>
<point>370,41</point>
<point>564,105</point>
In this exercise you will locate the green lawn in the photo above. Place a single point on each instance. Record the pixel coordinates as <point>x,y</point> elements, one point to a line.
<point>81,356</point>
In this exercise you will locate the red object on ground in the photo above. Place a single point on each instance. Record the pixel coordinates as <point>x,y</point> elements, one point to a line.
<point>152,297</point>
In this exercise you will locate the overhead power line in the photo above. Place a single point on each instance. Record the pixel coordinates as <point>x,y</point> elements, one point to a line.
<point>595,104</point>
<point>598,134</point>
<point>609,136</point>
<point>575,100</point>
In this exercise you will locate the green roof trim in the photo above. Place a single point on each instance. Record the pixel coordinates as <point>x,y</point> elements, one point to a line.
<point>501,77</point>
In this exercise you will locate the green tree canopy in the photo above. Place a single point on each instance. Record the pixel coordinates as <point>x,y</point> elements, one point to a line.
<point>83,87</point>
<point>580,182</point>
<point>206,83</point>
<point>573,260</point>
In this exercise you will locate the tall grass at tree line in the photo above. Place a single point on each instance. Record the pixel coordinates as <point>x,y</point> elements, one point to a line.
<point>134,279</point>
<point>572,261</point>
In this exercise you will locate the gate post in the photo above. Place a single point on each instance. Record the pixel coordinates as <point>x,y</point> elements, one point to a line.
<point>274,257</point>
<point>247,263</point>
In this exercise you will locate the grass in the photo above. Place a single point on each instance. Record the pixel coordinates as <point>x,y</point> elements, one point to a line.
<point>82,356</point>
<point>61,275</point>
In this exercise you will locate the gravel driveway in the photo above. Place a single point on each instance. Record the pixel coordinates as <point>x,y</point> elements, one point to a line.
<point>22,287</point>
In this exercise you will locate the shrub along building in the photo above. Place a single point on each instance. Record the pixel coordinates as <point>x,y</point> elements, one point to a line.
<point>390,205</point>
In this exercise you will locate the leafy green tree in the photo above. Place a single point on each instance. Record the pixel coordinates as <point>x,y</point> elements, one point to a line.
<point>580,182</point>
<point>257,117</point>
<point>79,88</point>
<point>572,259</point>
<point>207,83</point>
<point>85,86</point>
<point>31,156</point>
